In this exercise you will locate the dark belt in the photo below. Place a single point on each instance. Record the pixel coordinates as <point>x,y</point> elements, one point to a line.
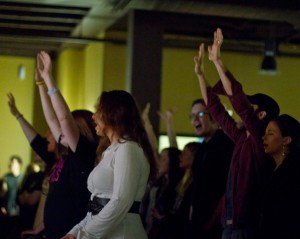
<point>96,205</point>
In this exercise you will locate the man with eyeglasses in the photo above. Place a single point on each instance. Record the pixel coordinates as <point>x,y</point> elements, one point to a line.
<point>210,172</point>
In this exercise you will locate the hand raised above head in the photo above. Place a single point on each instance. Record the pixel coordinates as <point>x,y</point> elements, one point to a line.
<point>12,104</point>
<point>199,64</point>
<point>11,99</point>
<point>145,113</point>
<point>44,64</point>
<point>167,116</point>
<point>37,76</point>
<point>214,49</point>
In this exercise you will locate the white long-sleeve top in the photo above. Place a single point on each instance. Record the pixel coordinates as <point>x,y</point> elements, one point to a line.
<point>122,176</point>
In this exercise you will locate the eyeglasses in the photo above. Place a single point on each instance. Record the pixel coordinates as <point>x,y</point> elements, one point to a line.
<point>199,114</point>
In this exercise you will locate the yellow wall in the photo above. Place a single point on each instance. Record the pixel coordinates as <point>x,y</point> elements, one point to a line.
<point>114,67</point>
<point>70,76</point>
<point>94,67</point>
<point>180,85</point>
<point>82,74</point>
<point>12,140</point>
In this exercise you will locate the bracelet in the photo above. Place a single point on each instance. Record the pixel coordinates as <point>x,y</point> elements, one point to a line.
<point>52,91</point>
<point>41,82</point>
<point>18,116</point>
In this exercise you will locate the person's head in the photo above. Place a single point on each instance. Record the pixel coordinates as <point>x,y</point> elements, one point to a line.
<point>187,156</point>
<point>202,121</point>
<point>282,136</point>
<point>15,164</point>
<point>117,114</point>
<point>265,106</point>
<point>168,163</point>
<point>86,125</point>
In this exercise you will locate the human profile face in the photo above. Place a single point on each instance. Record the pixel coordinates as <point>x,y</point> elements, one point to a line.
<point>99,124</point>
<point>186,159</point>
<point>163,163</point>
<point>201,121</point>
<point>273,140</point>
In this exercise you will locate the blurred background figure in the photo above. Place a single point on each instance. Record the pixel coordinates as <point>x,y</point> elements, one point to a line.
<point>10,209</point>
<point>176,224</point>
<point>12,181</point>
<point>46,148</point>
<point>30,192</point>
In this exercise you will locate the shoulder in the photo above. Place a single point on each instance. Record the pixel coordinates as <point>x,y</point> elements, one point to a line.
<point>38,140</point>
<point>83,141</point>
<point>130,146</point>
<point>129,153</point>
<point>85,146</point>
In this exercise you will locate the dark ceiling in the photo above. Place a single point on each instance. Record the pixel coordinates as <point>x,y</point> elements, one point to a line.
<point>27,26</point>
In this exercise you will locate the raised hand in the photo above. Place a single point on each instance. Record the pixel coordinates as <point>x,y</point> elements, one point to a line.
<point>12,105</point>
<point>44,64</point>
<point>37,75</point>
<point>214,49</point>
<point>145,113</point>
<point>167,116</point>
<point>199,65</point>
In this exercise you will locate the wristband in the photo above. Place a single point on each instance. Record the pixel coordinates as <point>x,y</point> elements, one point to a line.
<point>40,82</point>
<point>52,91</point>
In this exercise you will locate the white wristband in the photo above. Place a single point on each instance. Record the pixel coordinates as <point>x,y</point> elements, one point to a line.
<point>52,91</point>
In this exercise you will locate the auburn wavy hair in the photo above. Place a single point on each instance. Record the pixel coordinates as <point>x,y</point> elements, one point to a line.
<point>119,111</point>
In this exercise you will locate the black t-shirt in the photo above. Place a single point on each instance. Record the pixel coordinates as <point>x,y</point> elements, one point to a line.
<point>210,172</point>
<point>67,199</point>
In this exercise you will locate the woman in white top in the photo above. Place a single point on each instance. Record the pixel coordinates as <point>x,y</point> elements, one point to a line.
<point>118,182</point>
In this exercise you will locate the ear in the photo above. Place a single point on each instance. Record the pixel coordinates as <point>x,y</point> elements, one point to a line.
<point>262,114</point>
<point>287,140</point>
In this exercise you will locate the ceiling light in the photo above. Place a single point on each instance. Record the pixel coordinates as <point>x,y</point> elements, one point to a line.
<point>268,65</point>
<point>21,72</point>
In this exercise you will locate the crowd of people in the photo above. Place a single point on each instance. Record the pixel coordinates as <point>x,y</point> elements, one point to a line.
<point>105,178</point>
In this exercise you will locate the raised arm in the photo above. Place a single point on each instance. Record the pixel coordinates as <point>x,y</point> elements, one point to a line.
<point>215,57</point>
<point>69,129</point>
<point>199,70</point>
<point>214,105</point>
<point>48,110</point>
<point>27,128</point>
<point>167,117</point>
<point>149,129</point>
